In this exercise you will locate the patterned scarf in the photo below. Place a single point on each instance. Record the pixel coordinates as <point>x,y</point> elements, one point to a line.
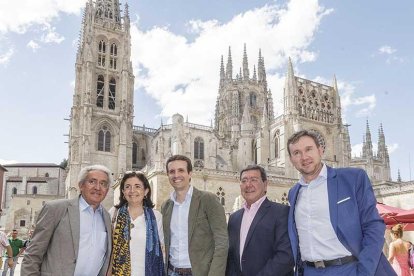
<point>121,262</point>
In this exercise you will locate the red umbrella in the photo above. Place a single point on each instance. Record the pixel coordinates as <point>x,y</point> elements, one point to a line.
<point>394,215</point>
<point>384,209</point>
<point>388,213</point>
<point>406,216</point>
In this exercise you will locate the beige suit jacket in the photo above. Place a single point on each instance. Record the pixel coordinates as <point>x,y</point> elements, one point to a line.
<point>55,242</point>
<point>207,234</point>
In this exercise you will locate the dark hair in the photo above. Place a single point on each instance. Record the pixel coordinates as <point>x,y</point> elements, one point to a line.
<point>179,158</point>
<point>297,135</point>
<point>147,202</point>
<point>397,230</point>
<point>255,167</point>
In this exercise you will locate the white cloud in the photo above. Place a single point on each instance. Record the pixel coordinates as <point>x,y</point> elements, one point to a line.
<point>18,16</point>
<point>356,150</point>
<point>33,45</point>
<point>51,36</point>
<point>6,56</point>
<point>392,147</point>
<point>183,76</point>
<point>386,50</point>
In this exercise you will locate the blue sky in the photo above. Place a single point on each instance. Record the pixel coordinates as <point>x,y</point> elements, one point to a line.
<point>177,45</point>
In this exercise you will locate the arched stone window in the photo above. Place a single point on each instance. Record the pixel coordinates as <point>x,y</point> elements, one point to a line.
<point>111,96</point>
<point>221,195</point>
<point>254,151</point>
<point>134,153</point>
<point>104,139</point>
<point>46,174</point>
<point>14,191</point>
<point>113,54</point>
<point>276,142</point>
<point>143,157</point>
<point>100,91</point>
<point>34,190</point>
<point>199,148</point>
<point>101,53</point>
<point>252,99</point>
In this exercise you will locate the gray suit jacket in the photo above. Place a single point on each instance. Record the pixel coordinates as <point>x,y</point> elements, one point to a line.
<point>55,242</point>
<point>207,234</point>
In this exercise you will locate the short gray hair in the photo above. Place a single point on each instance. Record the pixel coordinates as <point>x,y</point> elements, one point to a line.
<point>84,173</point>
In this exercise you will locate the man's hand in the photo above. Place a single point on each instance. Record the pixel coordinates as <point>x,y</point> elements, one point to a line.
<point>10,262</point>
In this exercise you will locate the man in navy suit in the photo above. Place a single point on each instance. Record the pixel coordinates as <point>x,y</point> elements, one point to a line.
<point>334,226</point>
<point>258,239</point>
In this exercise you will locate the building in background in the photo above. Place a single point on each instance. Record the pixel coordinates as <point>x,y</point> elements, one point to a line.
<point>245,130</point>
<point>26,187</point>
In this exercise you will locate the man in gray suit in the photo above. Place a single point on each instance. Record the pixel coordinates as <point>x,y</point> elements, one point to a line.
<point>195,230</point>
<point>73,236</point>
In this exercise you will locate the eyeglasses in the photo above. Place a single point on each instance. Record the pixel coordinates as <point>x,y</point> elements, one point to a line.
<point>253,180</point>
<point>94,182</point>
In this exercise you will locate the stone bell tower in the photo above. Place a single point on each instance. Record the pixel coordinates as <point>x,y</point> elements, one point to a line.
<point>102,112</point>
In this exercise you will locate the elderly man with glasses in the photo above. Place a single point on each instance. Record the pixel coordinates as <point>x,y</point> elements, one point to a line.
<point>73,236</point>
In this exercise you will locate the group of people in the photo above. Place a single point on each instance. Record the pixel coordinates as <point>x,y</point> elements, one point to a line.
<point>332,226</point>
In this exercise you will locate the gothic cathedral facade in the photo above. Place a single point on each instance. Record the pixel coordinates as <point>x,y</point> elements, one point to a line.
<point>245,131</point>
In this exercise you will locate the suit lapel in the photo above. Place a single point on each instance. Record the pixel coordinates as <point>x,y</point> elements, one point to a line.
<point>293,233</point>
<point>192,214</point>
<point>74,220</point>
<point>257,218</point>
<point>166,216</point>
<point>332,184</point>
<point>238,221</point>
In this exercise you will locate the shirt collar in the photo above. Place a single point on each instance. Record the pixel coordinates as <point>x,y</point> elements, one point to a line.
<point>256,205</point>
<point>323,175</point>
<point>83,205</point>
<point>188,196</point>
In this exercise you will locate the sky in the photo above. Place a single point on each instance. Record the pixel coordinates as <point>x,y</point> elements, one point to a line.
<point>176,51</point>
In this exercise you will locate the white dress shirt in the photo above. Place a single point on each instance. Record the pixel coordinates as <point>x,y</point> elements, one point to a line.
<point>179,231</point>
<point>92,240</point>
<point>317,238</point>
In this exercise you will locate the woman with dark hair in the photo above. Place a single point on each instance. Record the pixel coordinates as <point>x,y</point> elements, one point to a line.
<point>398,252</point>
<point>138,238</point>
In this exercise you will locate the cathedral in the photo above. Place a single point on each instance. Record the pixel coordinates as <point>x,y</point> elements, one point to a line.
<point>245,130</point>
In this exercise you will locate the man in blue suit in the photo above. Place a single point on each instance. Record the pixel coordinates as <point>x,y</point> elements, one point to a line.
<point>258,240</point>
<point>334,226</point>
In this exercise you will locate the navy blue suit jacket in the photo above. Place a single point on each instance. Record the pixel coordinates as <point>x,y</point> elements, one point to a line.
<point>354,217</point>
<point>267,248</point>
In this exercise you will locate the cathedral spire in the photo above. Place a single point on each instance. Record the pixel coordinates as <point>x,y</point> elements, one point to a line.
<point>127,21</point>
<point>222,74</point>
<point>290,90</point>
<point>245,64</point>
<point>261,68</point>
<point>229,67</point>
<point>337,99</point>
<point>254,73</point>
<point>367,150</point>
